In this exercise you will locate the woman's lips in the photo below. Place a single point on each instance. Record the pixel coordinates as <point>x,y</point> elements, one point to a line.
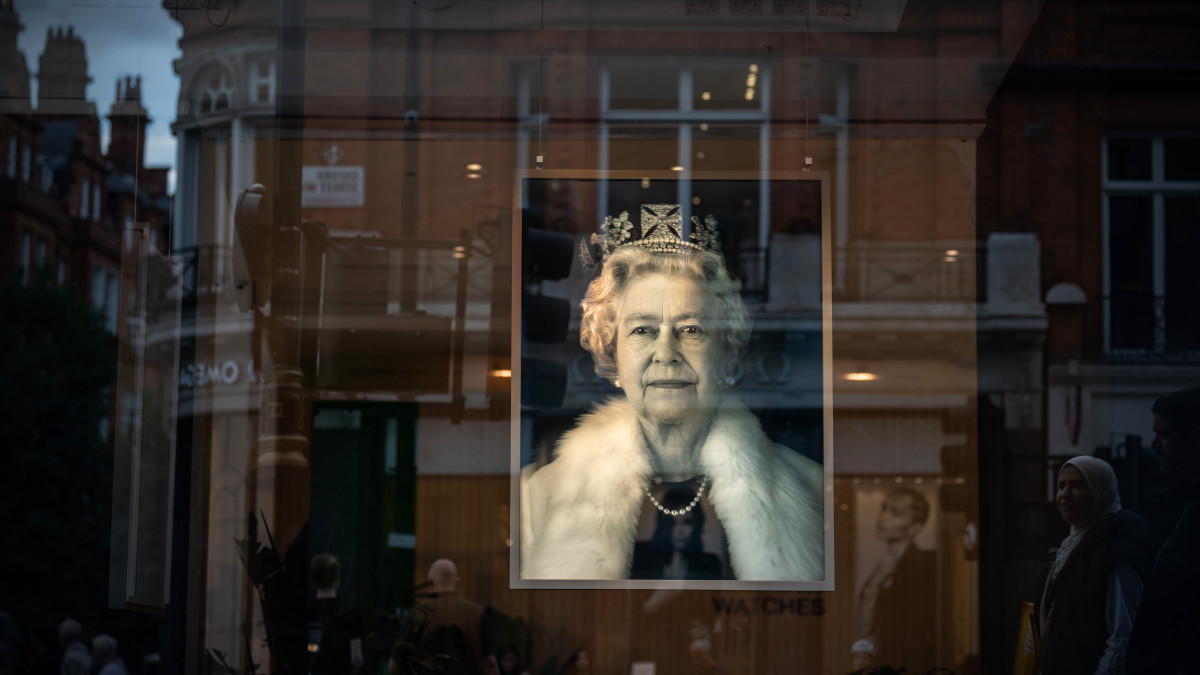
<point>670,384</point>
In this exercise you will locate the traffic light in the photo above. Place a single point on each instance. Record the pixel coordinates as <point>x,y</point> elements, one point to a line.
<point>546,256</point>
<point>250,223</point>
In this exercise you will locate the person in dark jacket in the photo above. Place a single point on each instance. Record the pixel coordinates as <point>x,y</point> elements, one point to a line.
<point>1168,623</point>
<point>897,604</point>
<point>1089,592</point>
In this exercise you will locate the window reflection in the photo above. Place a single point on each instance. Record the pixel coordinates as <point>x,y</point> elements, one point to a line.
<point>1012,224</point>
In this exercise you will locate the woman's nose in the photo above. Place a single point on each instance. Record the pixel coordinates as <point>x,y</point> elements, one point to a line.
<point>666,347</point>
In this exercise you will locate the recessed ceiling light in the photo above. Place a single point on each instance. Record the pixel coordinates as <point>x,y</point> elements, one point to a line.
<point>860,376</point>
<point>474,167</point>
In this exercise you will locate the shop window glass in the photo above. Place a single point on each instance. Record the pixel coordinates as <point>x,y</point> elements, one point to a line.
<point>216,90</point>
<point>726,147</point>
<point>728,86</point>
<point>1129,158</point>
<point>98,290</point>
<point>1131,271</point>
<point>1151,214</point>
<point>11,165</point>
<point>643,87</point>
<point>26,161</point>
<point>85,193</point>
<point>1182,284</point>
<point>111,300</point>
<point>1182,157</point>
<point>262,79</point>
<point>643,147</point>
<point>26,254</point>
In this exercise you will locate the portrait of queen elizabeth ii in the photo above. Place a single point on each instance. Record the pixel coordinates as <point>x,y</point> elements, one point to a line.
<point>674,478</point>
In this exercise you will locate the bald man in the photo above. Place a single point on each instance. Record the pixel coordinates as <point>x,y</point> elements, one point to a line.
<point>447,627</point>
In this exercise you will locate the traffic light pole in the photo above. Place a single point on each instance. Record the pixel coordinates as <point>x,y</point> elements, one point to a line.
<point>281,466</point>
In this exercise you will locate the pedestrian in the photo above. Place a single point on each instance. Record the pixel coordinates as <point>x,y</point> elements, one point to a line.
<point>1168,623</point>
<point>1089,592</point>
<point>76,660</point>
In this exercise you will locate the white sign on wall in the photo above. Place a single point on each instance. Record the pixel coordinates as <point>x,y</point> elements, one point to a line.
<point>332,186</point>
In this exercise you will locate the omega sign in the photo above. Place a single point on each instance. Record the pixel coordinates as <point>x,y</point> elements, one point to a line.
<point>332,186</point>
<point>223,374</point>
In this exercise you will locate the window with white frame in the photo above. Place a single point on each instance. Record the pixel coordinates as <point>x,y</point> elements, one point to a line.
<point>216,88</point>
<point>700,114</point>
<point>262,78</point>
<point>1151,214</point>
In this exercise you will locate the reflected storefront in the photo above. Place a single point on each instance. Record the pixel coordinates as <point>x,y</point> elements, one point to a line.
<point>334,262</point>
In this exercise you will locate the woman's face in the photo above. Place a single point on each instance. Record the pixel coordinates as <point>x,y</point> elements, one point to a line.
<point>1074,496</point>
<point>668,348</point>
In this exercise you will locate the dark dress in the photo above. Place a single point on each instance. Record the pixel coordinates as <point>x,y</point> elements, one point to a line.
<point>1078,632</point>
<point>650,561</point>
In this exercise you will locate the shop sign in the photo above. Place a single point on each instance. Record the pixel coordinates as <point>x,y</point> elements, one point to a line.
<point>332,186</point>
<point>217,374</point>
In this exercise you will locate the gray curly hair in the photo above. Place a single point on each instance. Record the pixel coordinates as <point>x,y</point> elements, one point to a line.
<point>602,303</point>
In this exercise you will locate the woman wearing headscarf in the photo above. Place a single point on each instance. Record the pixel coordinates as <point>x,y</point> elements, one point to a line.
<point>1089,592</point>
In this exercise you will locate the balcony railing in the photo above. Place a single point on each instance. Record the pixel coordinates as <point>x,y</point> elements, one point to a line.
<point>911,272</point>
<point>1144,326</point>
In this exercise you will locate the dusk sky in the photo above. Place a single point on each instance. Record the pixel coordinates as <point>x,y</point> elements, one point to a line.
<point>121,38</point>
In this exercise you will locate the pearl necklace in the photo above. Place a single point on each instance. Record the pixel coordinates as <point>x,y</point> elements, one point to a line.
<point>679,512</point>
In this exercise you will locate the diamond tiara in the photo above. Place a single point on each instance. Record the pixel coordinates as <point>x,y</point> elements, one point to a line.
<point>661,229</point>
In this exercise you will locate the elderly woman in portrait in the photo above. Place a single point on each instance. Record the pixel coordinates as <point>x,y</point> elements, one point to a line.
<point>1089,592</point>
<point>664,322</point>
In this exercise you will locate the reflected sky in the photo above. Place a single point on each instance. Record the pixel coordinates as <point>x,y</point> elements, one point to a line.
<point>121,38</point>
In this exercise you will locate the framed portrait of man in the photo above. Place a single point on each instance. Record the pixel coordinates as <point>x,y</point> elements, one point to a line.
<point>672,378</point>
<point>895,568</point>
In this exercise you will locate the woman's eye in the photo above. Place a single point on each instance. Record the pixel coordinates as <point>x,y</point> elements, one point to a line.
<point>691,330</point>
<point>643,330</point>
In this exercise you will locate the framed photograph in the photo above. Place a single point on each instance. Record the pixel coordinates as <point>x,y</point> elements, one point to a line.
<point>672,379</point>
<point>896,600</point>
